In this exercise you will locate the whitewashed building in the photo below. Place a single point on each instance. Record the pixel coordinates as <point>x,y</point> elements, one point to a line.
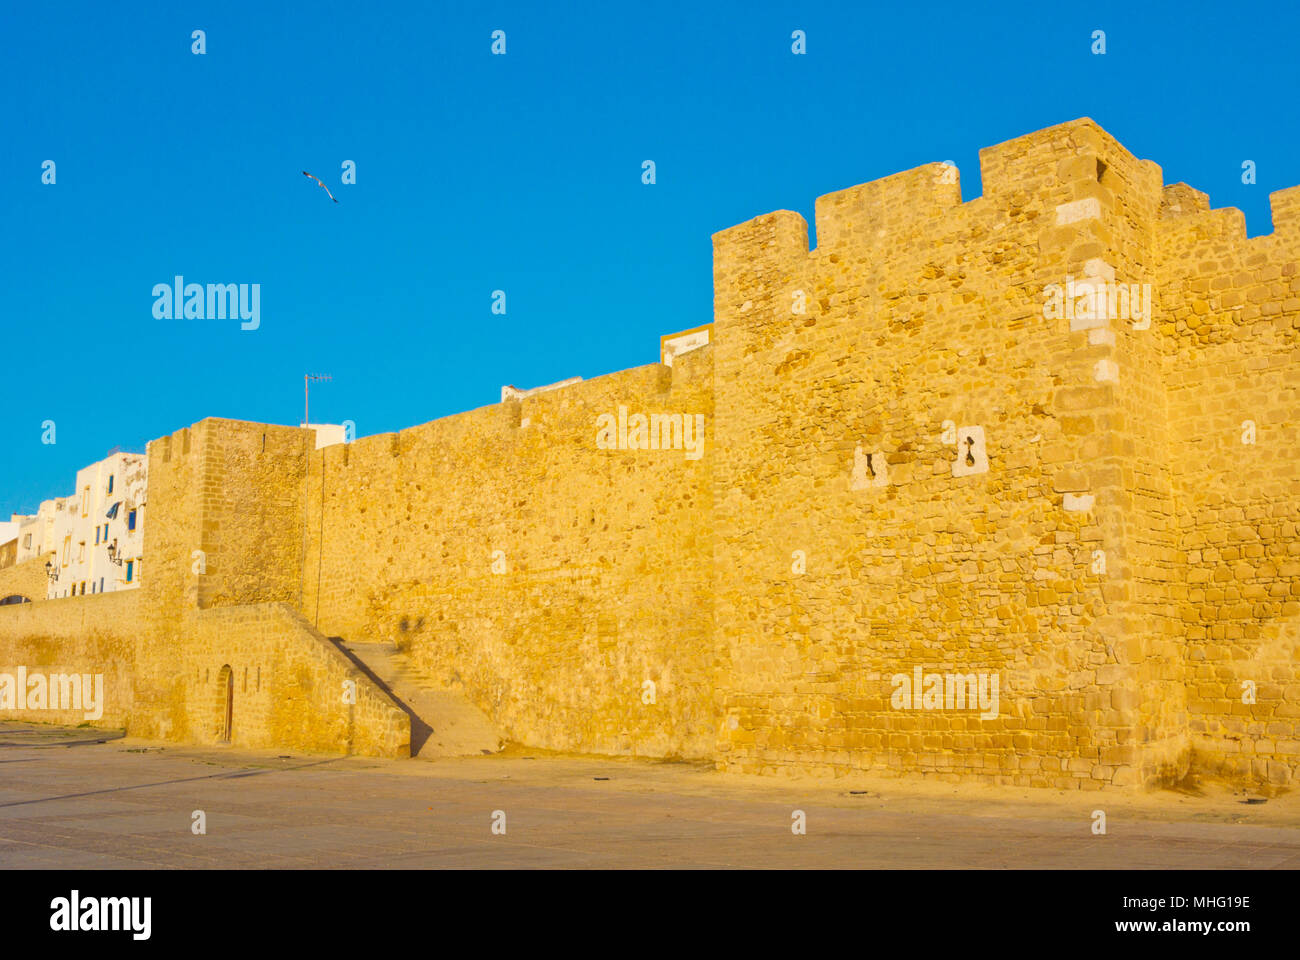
<point>37,530</point>
<point>97,534</point>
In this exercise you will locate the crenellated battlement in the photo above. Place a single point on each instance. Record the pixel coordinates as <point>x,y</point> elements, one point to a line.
<point>1024,180</point>
<point>1186,216</point>
<point>851,220</point>
<point>1217,286</point>
<point>1285,206</point>
<point>1189,207</point>
<point>1058,203</point>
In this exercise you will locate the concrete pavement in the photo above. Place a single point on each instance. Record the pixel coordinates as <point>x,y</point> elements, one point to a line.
<point>68,801</point>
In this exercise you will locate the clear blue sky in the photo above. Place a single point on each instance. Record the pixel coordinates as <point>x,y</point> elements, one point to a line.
<point>522,173</point>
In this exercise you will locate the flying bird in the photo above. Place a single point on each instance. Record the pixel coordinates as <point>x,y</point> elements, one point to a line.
<point>322,185</point>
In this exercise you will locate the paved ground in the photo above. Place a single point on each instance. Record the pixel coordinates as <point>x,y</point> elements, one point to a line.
<point>70,799</point>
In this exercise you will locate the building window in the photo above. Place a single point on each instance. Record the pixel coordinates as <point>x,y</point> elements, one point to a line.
<point>85,501</point>
<point>67,551</point>
<point>130,571</point>
<point>110,483</point>
<point>130,520</point>
<point>101,584</point>
<point>106,533</point>
<point>27,542</point>
<point>81,552</point>
<point>97,532</point>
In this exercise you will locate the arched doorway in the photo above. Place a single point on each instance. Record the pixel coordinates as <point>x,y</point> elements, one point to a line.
<point>225,703</point>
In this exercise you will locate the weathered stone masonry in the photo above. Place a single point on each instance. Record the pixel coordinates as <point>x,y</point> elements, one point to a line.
<point>1122,553</point>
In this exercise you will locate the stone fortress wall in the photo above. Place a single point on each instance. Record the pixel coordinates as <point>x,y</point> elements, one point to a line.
<point>910,468</point>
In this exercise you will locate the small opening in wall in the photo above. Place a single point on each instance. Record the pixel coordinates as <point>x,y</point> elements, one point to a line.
<point>1101,170</point>
<point>259,678</point>
<point>245,682</point>
<point>226,703</point>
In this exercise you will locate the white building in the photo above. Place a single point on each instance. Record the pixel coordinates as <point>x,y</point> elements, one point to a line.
<point>327,434</point>
<point>35,531</point>
<point>9,540</point>
<point>97,534</point>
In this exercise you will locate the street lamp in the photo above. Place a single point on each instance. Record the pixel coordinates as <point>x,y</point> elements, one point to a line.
<point>113,553</point>
<point>51,571</point>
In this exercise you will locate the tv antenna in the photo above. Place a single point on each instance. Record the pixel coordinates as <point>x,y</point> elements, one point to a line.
<point>307,380</point>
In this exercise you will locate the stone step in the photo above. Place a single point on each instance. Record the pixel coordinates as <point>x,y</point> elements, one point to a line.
<point>443,722</point>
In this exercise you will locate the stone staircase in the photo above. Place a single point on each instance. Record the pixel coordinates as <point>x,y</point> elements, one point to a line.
<point>443,722</point>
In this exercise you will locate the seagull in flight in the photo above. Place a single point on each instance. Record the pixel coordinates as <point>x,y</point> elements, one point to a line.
<point>322,185</point>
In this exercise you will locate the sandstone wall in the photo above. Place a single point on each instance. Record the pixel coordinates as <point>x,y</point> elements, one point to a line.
<point>95,634</point>
<point>1230,314</point>
<point>1050,570</point>
<point>605,560</point>
<point>169,582</point>
<point>223,550</point>
<point>27,579</point>
<point>1124,565</point>
<point>289,687</point>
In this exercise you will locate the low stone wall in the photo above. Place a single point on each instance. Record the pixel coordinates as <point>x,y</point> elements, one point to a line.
<point>27,579</point>
<point>291,687</point>
<point>92,636</point>
<point>160,682</point>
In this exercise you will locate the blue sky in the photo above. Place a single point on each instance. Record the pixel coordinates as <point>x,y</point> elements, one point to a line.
<point>519,172</point>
